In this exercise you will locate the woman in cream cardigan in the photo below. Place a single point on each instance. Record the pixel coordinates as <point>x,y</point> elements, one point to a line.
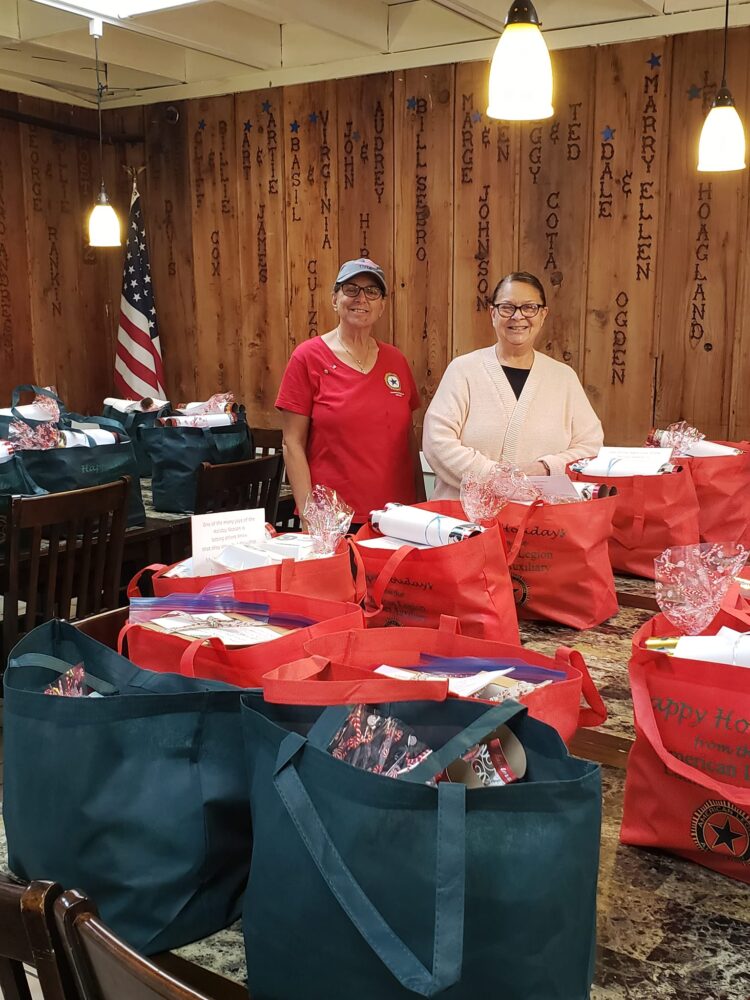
<point>509,401</point>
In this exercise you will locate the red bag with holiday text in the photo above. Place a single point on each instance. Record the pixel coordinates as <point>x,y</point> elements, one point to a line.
<point>722,485</point>
<point>341,664</point>
<point>468,579</point>
<point>687,787</point>
<point>652,513</point>
<point>245,666</point>
<point>339,577</point>
<point>559,560</point>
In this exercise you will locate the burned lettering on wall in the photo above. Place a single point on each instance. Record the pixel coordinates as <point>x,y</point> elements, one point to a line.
<point>620,338</point>
<point>701,254</point>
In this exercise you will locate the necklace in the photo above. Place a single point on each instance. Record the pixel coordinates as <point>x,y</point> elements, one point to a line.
<point>346,349</point>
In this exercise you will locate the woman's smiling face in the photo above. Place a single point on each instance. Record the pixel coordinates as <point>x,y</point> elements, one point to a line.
<point>517,331</point>
<point>359,311</point>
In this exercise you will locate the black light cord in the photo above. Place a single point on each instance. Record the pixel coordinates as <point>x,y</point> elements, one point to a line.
<point>99,92</point>
<point>726,34</point>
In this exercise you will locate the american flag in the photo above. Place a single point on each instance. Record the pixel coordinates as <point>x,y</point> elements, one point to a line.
<point>138,366</point>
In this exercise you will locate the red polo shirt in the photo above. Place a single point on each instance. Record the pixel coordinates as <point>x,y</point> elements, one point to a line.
<point>359,424</point>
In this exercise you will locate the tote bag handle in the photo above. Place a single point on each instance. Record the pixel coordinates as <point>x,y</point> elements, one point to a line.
<point>643,711</point>
<point>385,576</point>
<point>134,589</point>
<point>358,572</point>
<point>596,713</point>
<point>450,880</point>
<point>314,680</point>
<point>61,667</point>
<point>518,540</point>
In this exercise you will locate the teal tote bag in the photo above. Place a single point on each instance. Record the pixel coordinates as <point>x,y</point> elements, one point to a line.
<point>177,453</point>
<point>372,887</point>
<point>138,797</point>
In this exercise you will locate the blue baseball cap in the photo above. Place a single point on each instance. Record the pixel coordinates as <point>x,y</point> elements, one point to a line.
<point>362,265</point>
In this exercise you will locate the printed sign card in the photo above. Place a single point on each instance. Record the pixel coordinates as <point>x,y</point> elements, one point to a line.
<point>212,533</point>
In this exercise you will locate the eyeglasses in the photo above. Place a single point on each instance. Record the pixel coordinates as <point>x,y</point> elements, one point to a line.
<point>509,309</point>
<point>371,291</point>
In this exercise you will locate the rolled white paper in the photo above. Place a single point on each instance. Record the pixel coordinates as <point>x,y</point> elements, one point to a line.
<point>721,648</point>
<point>386,542</point>
<point>6,451</point>
<point>129,405</point>
<point>88,438</point>
<point>627,462</point>
<point>201,420</point>
<point>414,524</point>
<point>711,449</point>
<point>30,411</point>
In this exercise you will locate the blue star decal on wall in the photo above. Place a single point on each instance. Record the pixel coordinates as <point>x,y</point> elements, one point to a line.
<point>247,126</point>
<point>608,133</point>
<point>266,106</point>
<point>411,103</point>
<point>356,136</point>
<point>654,61</point>
<point>202,124</point>
<point>476,116</point>
<point>313,117</point>
<point>294,126</point>
<point>695,91</point>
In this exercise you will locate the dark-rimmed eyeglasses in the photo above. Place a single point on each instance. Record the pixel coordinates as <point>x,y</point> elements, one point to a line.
<point>371,291</point>
<point>509,309</point>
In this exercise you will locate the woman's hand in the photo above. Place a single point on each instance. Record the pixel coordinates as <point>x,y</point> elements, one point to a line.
<point>534,469</point>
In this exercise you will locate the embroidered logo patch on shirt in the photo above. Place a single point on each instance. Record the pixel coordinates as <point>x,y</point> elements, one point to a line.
<point>393,381</point>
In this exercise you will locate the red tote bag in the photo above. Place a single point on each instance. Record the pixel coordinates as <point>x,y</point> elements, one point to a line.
<point>722,485</point>
<point>346,659</point>
<point>340,577</point>
<point>245,667</point>
<point>468,579</point>
<point>652,513</point>
<point>687,787</point>
<point>559,561</point>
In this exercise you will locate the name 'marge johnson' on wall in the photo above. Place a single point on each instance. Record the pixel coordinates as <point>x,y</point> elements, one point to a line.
<point>251,201</point>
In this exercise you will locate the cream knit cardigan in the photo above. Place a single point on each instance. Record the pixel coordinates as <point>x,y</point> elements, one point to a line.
<point>474,419</point>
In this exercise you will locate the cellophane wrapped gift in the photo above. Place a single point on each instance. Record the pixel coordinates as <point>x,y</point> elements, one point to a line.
<point>484,496</point>
<point>220,402</point>
<point>328,518</point>
<point>71,684</point>
<point>692,580</point>
<point>40,437</point>
<point>679,436</point>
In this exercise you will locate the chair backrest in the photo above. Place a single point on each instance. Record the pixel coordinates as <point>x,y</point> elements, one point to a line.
<point>105,967</point>
<point>254,482</point>
<point>63,556</point>
<point>28,935</point>
<point>267,441</point>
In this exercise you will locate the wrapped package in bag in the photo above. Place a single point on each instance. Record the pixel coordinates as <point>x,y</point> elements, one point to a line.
<point>299,618</point>
<point>132,421</point>
<point>346,661</point>
<point>137,796</point>
<point>469,579</point>
<point>389,887</point>
<point>32,414</point>
<point>687,788</point>
<point>339,577</point>
<point>559,560</point>
<point>722,484</point>
<point>652,513</point>
<point>177,453</point>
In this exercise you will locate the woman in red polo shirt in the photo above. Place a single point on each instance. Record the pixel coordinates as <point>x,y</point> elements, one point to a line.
<point>346,404</point>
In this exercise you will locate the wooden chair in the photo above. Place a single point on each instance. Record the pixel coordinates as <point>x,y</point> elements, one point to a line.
<point>28,935</point>
<point>270,441</point>
<point>105,968</point>
<point>254,482</point>
<point>63,556</point>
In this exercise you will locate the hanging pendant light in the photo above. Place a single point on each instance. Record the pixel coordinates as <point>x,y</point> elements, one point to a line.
<point>722,141</point>
<point>521,71</point>
<point>104,226</point>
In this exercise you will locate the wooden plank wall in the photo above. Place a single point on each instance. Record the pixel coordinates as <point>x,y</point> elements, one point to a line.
<point>252,200</point>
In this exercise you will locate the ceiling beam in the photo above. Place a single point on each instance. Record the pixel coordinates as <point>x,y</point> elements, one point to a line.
<point>121,47</point>
<point>365,23</point>
<point>470,12</point>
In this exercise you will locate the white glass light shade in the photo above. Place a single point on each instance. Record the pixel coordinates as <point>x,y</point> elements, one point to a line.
<point>722,141</point>
<point>520,76</point>
<point>104,226</point>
